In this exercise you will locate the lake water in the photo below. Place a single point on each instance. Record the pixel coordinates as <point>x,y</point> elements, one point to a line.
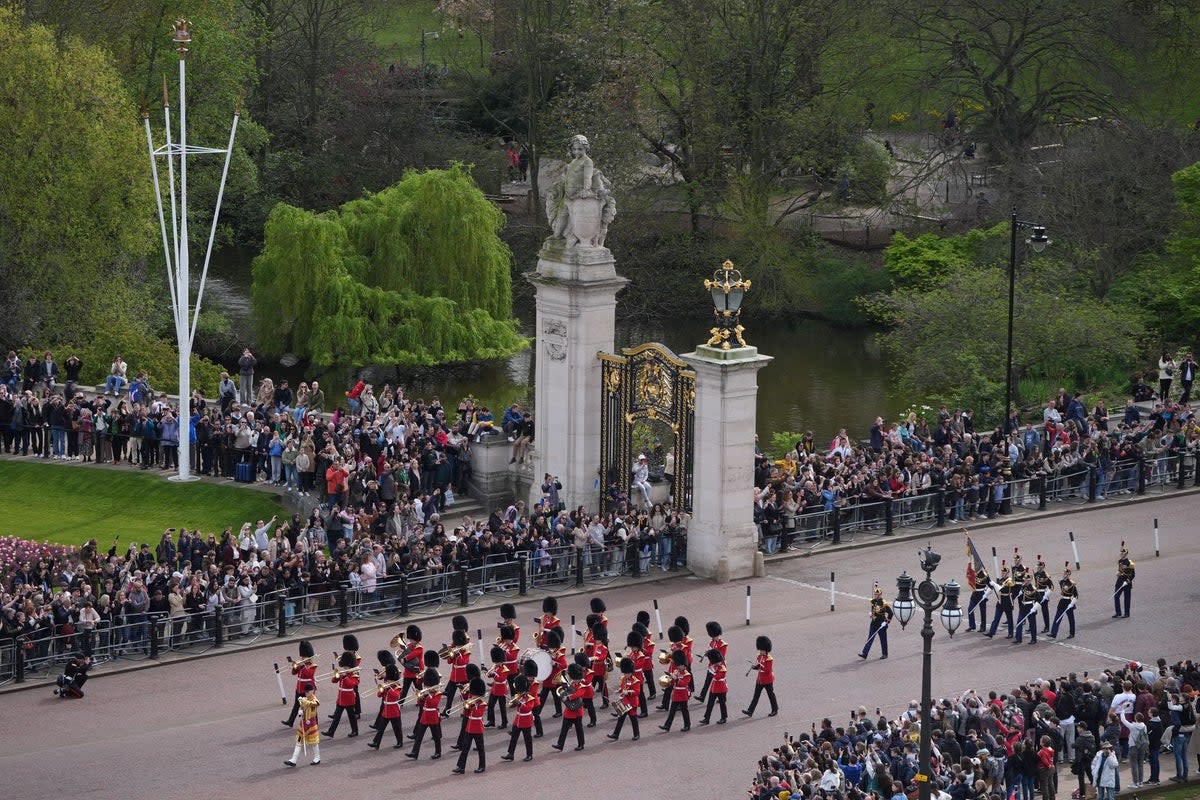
<point>823,378</point>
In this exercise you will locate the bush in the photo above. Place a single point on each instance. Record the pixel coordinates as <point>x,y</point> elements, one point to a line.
<point>141,351</point>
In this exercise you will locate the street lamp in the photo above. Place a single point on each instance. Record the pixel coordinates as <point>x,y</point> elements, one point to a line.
<point>1038,242</point>
<point>728,289</point>
<point>929,597</point>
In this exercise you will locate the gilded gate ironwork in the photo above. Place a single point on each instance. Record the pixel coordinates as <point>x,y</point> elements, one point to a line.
<point>646,387</point>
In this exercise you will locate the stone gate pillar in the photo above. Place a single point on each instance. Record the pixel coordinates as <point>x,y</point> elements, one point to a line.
<point>576,318</point>
<point>722,525</point>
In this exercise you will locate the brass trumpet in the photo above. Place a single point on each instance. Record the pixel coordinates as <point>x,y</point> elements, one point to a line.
<point>450,651</point>
<point>664,657</point>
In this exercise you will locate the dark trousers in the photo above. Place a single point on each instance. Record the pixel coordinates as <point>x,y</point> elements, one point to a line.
<point>589,705</point>
<point>378,724</point>
<point>707,682</point>
<point>291,720</point>
<point>1045,615</point>
<point>877,631</point>
<point>633,721</point>
<point>1122,595</point>
<point>548,691</point>
<point>395,723</point>
<point>494,702</point>
<point>419,733</point>
<point>337,717</point>
<point>598,682</point>
<point>648,674</point>
<point>978,603</point>
<point>1003,609</point>
<point>472,739</point>
<point>451,690</point>
<point>769,688</point>
<point>518,733</point>
<point>681,707</point>
<point>1027,618</point>
<point>577,724</point>
<point>461,741</point>
<point>404,687</point>
<point>643,706</point>
<point>716,698</point>
<point>1064,610</point>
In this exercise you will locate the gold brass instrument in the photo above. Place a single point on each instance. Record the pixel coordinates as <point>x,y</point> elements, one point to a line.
<point>398,642</point>
<point>559,679</point>
<point>665,680</point>
<point>470,702</point>
<point>516,699</point>
<point>304,662</point>
<point>389,685</point>
<point>451,651</point>
<point>423,692</point>
<point>664,657</point>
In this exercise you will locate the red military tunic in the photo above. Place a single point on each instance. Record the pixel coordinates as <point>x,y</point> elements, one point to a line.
<point>560,663</point>
<point>304,673</point>
<point>688,643</point>
<point>512,655</point>
<point>599,657</point>
<point>721,646</point>
<point>575,691</point>
<point>589,689</point>
<point>526,705</point>
<point>648,650</point>
<point>346,686</point>
<point>630,689</point>
<point>458,667</point>
<point>766,669</point>
<point>720,675</point>
<point>499,677</point>
<point>415,655</point>
<point>516,629</point>
<point>548,621</point>
<point>681,689</point>
<point>474,713</point>
<point>391,701</point>
<point>429,712</point>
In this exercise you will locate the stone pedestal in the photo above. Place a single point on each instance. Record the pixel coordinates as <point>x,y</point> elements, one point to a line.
<point>722,540</point>
<point>576,319</point>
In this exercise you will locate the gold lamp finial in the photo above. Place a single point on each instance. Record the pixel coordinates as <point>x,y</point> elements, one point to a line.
<point>727,288</point>
<point>183,36</point>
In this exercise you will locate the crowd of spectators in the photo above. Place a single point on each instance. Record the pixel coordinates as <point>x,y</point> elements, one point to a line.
<point>983,472</point>
<point>1090,734</point>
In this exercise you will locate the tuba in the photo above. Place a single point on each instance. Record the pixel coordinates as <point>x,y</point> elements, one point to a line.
<point>665,680</point>
<point>664,657</point>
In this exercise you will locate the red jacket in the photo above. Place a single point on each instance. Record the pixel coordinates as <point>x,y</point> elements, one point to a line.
<point>524,710</point>
<point>498,674</point>
<point>589,689</point>
<point>577,693</point>
<point>560,663</point>
<point>548,621</point>
<point>346,686</point>
<point>512,656</point>
<point>630,689</point>
<point>474,714</point>
<point>681,689</point>
<point>721,646</point>
<point>415,654</point>
<point>599,656</point>
<point>391,701</point>
<point>766,669</point>
<point>720,684</point>
<point>304,674</point>
<point>458,667</point>
<point>429,713</point>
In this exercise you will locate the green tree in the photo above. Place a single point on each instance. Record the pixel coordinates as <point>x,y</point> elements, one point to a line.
<point>75,205</point>
<point>413,275</point>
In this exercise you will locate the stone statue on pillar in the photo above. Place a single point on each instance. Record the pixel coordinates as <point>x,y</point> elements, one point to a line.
<point>581,205</point>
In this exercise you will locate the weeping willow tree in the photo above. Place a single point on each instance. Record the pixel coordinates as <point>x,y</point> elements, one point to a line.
<point>414,275</point>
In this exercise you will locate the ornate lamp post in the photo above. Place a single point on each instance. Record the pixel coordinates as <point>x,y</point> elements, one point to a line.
<point>728,288</point>
<point>1038,241</point>
<point>929,597</point>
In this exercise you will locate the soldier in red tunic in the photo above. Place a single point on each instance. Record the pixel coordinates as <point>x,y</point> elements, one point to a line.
<point>412,659</point>
<point>599,609</point>
<point>572,694</point>
<point>715,642</point>
<point>428,717</point>
<point>346,678</point>
<point>533,686</point>
<point>547,621</point>
<point>599,656</point>
<point>386,658</point>
<point>765,665</point>
<point>498,691</point>
<point>508,616</point>
<point>717,685</point>
<point>459,656</point>
<point>680,691</point>
<point>558,669</point>
<point>525,704</point>
<point>304,670</point>
<point>589,689</point>
<point>642,626</point>
<point>473,714</point>
<point>350,644</point>
<point>309,732</point>
<point>474,688</point>
<point>676,635</point>
<point>389,694</point>
<point>628,694</point>
<point>512,653</point>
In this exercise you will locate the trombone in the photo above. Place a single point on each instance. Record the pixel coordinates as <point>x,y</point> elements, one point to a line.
<point>470,702</point>
<point>452,651</point>
<point>424,692</point>
<point>337,673</point>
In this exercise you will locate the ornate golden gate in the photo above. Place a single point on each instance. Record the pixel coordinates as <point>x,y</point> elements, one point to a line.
<point>648,393</point>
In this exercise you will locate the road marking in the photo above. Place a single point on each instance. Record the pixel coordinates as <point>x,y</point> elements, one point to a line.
<point>1100,653</point>
<point>815,586</point>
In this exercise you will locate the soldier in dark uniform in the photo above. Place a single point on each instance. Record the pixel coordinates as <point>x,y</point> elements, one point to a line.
<point>1045,585</point>
<point>881,615</point>
<point>1123,590</point>
<point>1027,607</point>
<point>979,600</point>
<point>1004,603</point>
<point>1069,592</point>
<point>1018,569</point>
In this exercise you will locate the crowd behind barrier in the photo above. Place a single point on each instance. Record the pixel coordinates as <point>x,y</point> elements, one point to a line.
<point>1042,737</point>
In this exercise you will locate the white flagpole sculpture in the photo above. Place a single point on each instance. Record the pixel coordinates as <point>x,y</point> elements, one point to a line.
<point>175,246</point>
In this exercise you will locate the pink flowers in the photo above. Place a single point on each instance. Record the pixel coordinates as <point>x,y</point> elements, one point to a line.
<point>15,552</point>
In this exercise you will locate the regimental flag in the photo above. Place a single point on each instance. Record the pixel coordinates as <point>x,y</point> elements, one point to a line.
<point>974,565</point>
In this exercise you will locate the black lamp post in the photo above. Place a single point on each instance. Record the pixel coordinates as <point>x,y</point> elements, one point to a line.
<point>1038,241</point>
<point>728,289</point>
<point>930,597</point>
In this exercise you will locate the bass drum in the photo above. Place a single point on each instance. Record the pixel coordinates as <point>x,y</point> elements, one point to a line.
<point>540,657</point>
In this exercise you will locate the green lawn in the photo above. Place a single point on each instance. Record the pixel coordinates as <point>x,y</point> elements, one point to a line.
<point>398,35</point>
<point>1167,791</point>
<point>70,504</point>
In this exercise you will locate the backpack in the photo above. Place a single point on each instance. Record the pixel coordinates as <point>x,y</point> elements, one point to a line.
<point>1064,705</point>
<point>1187,716</point>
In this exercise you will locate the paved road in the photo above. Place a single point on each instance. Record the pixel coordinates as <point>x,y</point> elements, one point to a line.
<point>213,725</point>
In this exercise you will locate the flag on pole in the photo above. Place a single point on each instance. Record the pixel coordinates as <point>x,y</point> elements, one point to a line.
<point>974,565</point>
